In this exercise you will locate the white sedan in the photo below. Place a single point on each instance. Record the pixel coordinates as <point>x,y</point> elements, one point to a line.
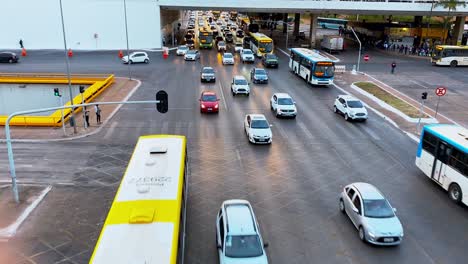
<point>257,129</point>
<point>228,58</point>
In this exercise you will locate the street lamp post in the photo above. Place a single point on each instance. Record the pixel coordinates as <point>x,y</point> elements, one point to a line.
<point>68,69</point>
<point>360,46</point>
<point>126,35</point>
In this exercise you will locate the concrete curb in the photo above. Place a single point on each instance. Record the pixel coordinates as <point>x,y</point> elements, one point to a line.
<point>10,230</point>
<point>80,136</point>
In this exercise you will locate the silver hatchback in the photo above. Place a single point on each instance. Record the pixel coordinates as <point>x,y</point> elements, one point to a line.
<point>371,213</point>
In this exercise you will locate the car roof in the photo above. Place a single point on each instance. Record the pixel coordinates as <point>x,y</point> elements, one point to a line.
<point>348,97</point>
<point>239,77</point>
<point>207,68</point>
<point>226,53</point>
<point>239,218</point>
<point>208,93</point>
<point>282,95</point>
<point>368,191</point>
<point>259,69</point>
<point>257,117</point>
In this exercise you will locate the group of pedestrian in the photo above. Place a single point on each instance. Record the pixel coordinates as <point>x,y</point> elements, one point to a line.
<point>97,109</point>
<point>422,50</point>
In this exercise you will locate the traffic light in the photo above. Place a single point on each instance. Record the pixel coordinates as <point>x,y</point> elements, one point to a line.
<point>56,92</point>
<point>82,89</point>
<point>162,105</point>
<point>424,95</point>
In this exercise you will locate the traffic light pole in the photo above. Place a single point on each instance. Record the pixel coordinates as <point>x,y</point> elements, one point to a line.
<point>63,121</point>
<point>421,112</point>
<point>11,161</point>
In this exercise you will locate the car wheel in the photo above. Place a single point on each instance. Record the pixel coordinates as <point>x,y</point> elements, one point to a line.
<point>271,107</point>
<point>334,109</point>
<point>453,63</point>
<point>248,94</point>
<point>233,93</point>
<point>146,61</point>
<point>130,61</point>
<point>342,207</point>
<point>10,61</point>
<point>362,234</point>
<point>455,193</point>
<point>346,117</point>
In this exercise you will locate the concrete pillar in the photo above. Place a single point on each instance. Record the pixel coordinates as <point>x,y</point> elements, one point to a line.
<point>418,22</point>
<point>158,27</point>
<point>458,29</point>
<point>285,23</point>
<point>297,22</point>
<point>313,30</point>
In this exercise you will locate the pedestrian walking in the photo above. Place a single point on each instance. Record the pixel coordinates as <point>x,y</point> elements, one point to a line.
<point>393,67</point>
<point>21,43</point>
<point>406,49</point>
<point>98,113</point>
<point>86,114</point>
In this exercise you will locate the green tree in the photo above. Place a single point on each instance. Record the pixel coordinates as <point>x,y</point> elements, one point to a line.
<point>450,5</point>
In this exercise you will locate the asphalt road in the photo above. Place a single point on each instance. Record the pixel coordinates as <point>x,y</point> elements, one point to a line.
<point>293,184</point>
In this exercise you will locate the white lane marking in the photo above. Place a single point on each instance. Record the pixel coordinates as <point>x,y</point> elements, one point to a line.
<point>165,128</point>
<point>371,133</point>
<point>110,130</point>
<point>281,131</point>
<point>222,95</point>
<point>306,131</point>
<point>417,83</point>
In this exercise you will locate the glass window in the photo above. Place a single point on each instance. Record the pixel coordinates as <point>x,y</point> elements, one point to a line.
<point>357,203</point>
<point>457,160</point>
<point>351,192</point>
<point>324,71</point>
<point>306,63</point>
<point>208,70</point>
<point>243,246</point>
<point>266,46</point>
<point>429,142</point>
<point>247,52</point>
<point>260,124</point>
<point>221,230</point>
<point>227,55</point>
<point>355,104</point>
<point>240,82</point>
<point>260,72</point>
<point>379,208</point>
<point>209,98</point>
<point>285,101</point>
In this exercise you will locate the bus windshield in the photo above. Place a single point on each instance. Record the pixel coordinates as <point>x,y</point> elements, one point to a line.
<point>324,71</point>
<point>266,46</point>
<point>206,39</point>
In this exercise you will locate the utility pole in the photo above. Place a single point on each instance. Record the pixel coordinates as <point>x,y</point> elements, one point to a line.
<point>126,35</point>
<point>360,46</point>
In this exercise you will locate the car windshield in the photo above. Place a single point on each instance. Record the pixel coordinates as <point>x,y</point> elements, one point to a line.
<point>243,246</point>
<point>191,52</point>
<point>355,104</point>
<point>221,43</point>
<point>208,70</point>
<point>378,209</point>
<point>285,101</point>
<point>260,72</point>
<point>227,55</point>
<point>240,82</point>
<point>247,52</point>
<point>209,98</point>
<point>183,47</point>
<point>261,124</point>
<point>271,57</point>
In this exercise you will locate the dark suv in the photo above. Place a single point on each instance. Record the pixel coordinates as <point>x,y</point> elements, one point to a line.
<point>9,57</point>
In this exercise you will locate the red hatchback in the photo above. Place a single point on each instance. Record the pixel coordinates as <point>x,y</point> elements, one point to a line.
<point>209,102</point>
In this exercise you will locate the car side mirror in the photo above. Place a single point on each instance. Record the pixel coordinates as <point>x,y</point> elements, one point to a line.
<point>219,246</point>
<point>265,245</point>
<point>344,105</point>
<point>355,210</point>
<point>271,125</point>
<point>217,99</point>
<point>394,210</point>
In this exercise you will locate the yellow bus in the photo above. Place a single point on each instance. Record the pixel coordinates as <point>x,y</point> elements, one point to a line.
<point>146,221</point>
<point>260,44</point>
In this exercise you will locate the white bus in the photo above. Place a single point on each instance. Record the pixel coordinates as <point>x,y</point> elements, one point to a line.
<point>443,156</point>
<point>312,66</point>
<point>146,221</point>
<point>450,55</point>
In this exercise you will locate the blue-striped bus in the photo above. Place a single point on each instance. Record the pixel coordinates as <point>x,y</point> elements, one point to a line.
<point>312,66</point>
<point>332,23</point>
<point>146,221</point>
<point>443,156</point>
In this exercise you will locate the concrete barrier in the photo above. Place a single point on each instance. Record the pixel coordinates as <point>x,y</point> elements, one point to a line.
<point>340,68</point>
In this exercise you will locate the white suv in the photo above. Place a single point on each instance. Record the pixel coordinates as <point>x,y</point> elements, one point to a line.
<point>135,57</point>
<point>258,129</point>
<point>237,234</point>
<point>283,105</point>
<point>247,55</point>
<point>240,85</point>
<point>351,107</point>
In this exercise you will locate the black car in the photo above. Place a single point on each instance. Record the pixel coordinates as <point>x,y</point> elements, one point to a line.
<point>270,60</point>
<point>258,75</point>
<point>229,37</point>
<point>9,57</point>
<point>246,42</point>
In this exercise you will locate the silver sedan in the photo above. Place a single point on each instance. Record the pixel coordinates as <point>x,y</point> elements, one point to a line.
<point>371,213</point>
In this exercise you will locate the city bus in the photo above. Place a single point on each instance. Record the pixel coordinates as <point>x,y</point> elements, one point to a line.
<point>443,156</point>
<point>332,23</point>
<point>312,66</point>
<point>260,44</point>
<point>205,39</point>
<point>243,22</point>
<point>450,55</point>
<point>146,221</point>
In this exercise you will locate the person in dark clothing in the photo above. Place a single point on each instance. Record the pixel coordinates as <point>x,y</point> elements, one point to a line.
<point>98,113</point>
<point>21,43</point>
<point>406,49</point>
<point>86,114</point>
<point>393,67</point>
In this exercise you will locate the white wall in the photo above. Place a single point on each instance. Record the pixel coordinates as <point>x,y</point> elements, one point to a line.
<point>38,23</point>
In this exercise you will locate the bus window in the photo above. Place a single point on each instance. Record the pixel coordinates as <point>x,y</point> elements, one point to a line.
<point>321,71</point>
<point>266,46</point>
<point>429,143</point>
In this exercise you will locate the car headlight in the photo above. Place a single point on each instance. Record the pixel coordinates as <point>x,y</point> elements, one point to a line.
<point>371,235</point>
<point>216,106</point>
<point>202,106</point>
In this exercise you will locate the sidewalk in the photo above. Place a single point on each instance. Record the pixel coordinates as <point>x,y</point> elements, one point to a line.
<point>345,80</point>
<point>118,91</point>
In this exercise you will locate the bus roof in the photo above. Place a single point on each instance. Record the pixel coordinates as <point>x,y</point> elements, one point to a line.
<point>260,36</point>
<point>451,47</point>
<point>312,55</point>
<point>453,134</point>
<point>142,225</point>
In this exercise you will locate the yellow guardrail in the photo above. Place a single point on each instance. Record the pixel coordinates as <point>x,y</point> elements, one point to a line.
<point>99,83</point>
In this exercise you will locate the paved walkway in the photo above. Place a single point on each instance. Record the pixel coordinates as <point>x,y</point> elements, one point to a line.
<point>118,91</point>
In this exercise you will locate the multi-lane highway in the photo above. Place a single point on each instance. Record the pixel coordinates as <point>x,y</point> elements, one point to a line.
<point>293,184</point>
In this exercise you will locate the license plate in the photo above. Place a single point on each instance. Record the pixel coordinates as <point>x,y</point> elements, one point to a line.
<point>261,139</point>
<point>388,239</point>
<point>210,109</point>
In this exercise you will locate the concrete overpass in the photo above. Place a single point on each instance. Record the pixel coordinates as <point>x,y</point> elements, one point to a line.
<point>99,24</point>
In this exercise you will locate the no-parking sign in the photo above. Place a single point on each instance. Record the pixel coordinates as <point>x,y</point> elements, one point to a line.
<point>440,91</point>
